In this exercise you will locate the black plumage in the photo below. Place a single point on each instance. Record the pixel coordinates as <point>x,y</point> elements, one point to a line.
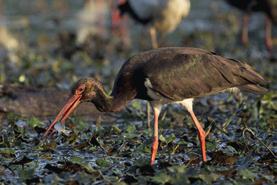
<point>126,8</point>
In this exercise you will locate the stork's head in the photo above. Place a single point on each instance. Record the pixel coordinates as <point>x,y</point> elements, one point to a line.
<point>85,90</point>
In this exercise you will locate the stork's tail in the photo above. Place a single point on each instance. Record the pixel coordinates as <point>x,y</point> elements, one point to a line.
<point>256,82</point>
<point>252,88</point>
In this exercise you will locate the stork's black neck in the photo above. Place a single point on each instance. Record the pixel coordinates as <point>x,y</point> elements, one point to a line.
<point>105,102</point>
<point>127,8</point>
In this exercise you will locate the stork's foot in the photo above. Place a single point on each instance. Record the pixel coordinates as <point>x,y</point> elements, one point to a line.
<point>155,145</point>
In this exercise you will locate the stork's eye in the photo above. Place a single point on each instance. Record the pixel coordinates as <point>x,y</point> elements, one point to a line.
<point>80,89</point>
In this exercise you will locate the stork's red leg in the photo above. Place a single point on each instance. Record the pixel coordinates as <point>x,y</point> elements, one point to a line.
<point>244,31</point>
<point>153,35</point>
<point>155,143</point>
<point>201,134</point>
<point>268,38</point>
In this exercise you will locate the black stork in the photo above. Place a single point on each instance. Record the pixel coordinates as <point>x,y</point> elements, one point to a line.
<point>162,76</point>
<point>162,15</point>
<point>268,7</point>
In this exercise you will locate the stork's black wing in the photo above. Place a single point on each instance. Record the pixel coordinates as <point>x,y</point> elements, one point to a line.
<point>188,72</point>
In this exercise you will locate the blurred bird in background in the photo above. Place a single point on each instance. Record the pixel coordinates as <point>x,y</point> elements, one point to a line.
<point>93,18</point>
<point>267,7</point>
<point>162,16</point>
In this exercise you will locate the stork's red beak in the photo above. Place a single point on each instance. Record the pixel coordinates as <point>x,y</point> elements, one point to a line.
<point>68,108</point>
